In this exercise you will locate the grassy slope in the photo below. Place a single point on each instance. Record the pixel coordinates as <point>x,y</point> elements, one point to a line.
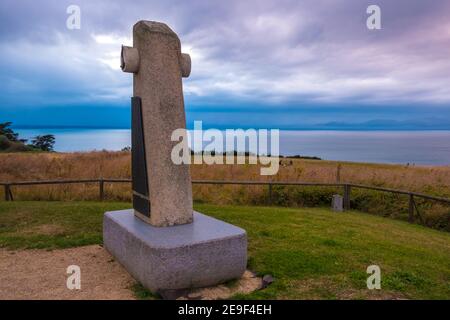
<point>312,253</point>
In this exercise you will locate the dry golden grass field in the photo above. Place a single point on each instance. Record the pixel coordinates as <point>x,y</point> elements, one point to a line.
<point>92,165</point>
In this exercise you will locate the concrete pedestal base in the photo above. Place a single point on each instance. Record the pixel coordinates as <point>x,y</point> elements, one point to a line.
<point>199,254</point>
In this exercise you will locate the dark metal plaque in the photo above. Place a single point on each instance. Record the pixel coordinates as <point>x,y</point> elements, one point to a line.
<point>141,205</point>
<point>138,163</point>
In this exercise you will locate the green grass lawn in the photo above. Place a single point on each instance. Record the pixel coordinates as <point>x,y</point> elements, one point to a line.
<point>312,252</point>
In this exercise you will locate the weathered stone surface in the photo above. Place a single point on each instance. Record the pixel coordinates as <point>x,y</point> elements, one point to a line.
<point>129,59</point>
<point>157,81</point>
<point>178,249</point>
<point>172,294</point>
<point>248,283</point>
<point>337,203</point>
<point>200,254</point>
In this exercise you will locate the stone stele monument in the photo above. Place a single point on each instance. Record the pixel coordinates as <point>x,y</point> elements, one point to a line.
<point>162,242</point>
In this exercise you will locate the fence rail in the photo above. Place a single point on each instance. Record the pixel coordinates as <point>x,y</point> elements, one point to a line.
<point>347,187</point>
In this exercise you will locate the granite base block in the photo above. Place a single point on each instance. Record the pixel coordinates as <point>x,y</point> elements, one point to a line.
<point>199,254</point>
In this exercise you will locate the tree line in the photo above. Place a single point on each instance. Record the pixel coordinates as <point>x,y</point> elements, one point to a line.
<point>11,142</point>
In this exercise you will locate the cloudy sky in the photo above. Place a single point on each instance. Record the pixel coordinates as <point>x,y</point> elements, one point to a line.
<point>279,64</point>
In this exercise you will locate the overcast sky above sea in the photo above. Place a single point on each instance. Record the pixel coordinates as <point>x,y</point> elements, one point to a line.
<point>283,64</point>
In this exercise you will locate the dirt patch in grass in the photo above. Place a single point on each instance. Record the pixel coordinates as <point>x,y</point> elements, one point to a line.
<point>44,229</point>
<point>41,274</point>
<point>366,294</point>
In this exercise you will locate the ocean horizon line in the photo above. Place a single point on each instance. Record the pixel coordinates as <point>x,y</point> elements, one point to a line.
<point>224,128</point>
<point>429,147</point>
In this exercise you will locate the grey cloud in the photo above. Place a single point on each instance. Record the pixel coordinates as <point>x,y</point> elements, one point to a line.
<point>311,50</point>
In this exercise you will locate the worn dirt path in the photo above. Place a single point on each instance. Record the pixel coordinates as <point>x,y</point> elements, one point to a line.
<point>41,274</point>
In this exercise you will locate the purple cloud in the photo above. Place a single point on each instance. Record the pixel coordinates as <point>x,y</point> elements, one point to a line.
<point>263,51</point>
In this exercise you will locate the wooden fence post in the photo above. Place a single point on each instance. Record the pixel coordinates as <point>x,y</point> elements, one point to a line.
<point>347,191</point>
<point>270,194</point>
<point>7,192</point>
<point>411,208</point>
<point>101,185</point>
